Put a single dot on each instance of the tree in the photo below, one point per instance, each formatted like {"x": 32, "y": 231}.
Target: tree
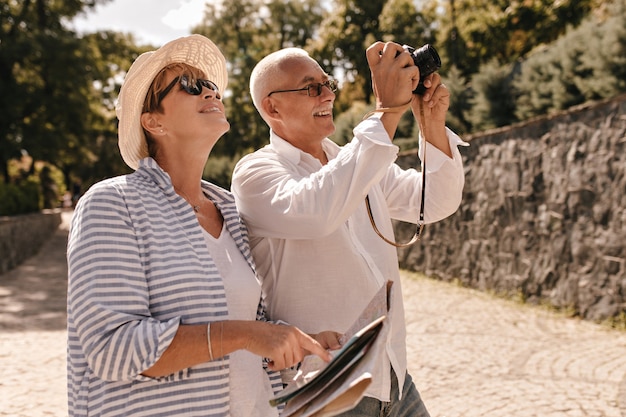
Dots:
{"x": 43, "y": 71}
{"x": 493, "y": 102}
{"x": 401, "y": 22}
{"x": 246, "y": 31}
{"x": 460, "y": 101}
{"x": 110, "y": 55}
{"x": 587, "y": 63}
{"x": 479, "y": 31}
{"x": 344, "y": 36}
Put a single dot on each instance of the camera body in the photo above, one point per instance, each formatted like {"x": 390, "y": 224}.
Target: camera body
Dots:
{"x": 427, "y": 60}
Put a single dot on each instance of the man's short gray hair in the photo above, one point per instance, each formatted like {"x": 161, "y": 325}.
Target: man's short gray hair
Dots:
{"x": 269, "y": 69}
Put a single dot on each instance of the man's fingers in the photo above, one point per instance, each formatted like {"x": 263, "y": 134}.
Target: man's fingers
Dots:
{"x": 391, "y": 50}
{"x": 373, "y": 53}
{"x": 387, "y": 51}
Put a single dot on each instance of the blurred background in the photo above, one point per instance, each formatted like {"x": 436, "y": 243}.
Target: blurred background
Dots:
{"x": 62, "y": 62}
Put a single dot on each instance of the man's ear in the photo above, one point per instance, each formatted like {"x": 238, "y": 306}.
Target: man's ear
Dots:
{"x": 151, "y": 124}
{"x": 269, "y": 107}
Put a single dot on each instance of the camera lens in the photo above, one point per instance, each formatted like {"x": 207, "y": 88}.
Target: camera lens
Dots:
{"x": 427, "y": 60}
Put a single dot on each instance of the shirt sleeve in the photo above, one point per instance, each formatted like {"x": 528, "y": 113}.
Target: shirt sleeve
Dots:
{"x": 445, "y": 180}
{"x": 108, "y": 300}
{"x": 279, "y": 197}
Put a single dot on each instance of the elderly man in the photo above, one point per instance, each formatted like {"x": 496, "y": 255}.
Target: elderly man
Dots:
{"x": 304, "y": 201}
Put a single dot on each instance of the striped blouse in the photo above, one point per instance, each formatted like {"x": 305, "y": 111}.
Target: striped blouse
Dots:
{"x": 138, "y": 268}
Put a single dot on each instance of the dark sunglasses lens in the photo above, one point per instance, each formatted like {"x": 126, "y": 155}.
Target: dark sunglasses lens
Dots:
{"x": 196, "y": 89}
{"x": 209, "y": 84}
{"x": 193, "y": 89}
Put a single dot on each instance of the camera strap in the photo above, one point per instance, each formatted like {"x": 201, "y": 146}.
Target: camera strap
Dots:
{"x": 420, "y": 224}
{"x": 397, "y": 109}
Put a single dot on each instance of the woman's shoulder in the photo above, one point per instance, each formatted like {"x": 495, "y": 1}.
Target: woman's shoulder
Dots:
{"x": 115, "y": 186}
{"x": 217, "y": 193}
{"x": 107, "y": 186}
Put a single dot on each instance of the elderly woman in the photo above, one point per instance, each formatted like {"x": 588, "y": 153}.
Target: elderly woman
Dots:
{"x": 165, "y": 310}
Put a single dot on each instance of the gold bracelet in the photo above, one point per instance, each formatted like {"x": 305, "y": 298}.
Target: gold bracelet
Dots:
{"x": 221, "y": 345}
{"x": 208, "y": 336}
{"x": 222, "y": 338}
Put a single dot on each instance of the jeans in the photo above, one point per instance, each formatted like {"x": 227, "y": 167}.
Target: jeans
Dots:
{"x": 411, "y": 404}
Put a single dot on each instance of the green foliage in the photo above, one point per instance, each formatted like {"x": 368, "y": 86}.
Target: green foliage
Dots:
{"x": 58, "y": 89}
{"x": 219, "y": 170}
{"x": 587, "y": 63}
{"x": 50, "y": 186}
{"x": 344, "y": 36}
{"x": 474, "y": 32}
{"x": 401, "y": 22}
{"x": 346, "y": 121}
{"x": 502, "y": 61}
{"x": 19, "y": 198}
{"x": 460, "y": 101}
{"x": 544, "y": 70}
{"x": 41, "y": 68}
{"x": 492, "y": 104}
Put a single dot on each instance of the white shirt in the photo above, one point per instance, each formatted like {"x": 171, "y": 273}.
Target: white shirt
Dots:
{"x": 250, "y": 389}
{"x": 311, "y": 237}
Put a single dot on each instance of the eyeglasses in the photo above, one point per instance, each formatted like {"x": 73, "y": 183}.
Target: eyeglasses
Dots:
{"x": 312, "y": 90}
{"x": 193, "y": 89}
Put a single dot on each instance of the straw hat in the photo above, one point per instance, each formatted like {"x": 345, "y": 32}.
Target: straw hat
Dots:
{"x": 195, "y": 50}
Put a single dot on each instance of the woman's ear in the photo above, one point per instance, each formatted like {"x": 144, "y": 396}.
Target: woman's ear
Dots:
{"x": 151, "y": 124}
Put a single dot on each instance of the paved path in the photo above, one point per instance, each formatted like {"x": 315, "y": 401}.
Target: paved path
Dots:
{"x": 471, "y": 355}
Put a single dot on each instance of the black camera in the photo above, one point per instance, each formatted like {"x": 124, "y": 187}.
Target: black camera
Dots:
{"x": 427, "y": 60}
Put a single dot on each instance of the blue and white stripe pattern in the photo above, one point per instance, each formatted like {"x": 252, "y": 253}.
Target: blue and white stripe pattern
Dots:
{"x": 138, "y": 268}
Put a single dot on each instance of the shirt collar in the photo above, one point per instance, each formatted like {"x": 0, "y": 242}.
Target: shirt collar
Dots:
{"x": 295, "y": 155}
{"x": 149, "y": 168}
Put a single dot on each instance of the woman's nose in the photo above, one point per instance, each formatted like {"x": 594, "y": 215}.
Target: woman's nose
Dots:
{"x": 210, "y": 93}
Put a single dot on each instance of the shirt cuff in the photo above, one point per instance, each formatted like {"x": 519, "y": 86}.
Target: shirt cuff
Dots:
{"x": 373, "y": 130}
{"x": 436, "y": 158}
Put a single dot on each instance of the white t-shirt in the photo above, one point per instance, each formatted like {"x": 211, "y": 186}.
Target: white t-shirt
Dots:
{"x": 250, "y": 388}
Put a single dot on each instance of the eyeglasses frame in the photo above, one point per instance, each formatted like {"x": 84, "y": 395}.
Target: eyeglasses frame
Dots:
{"x": 331, "y": 84}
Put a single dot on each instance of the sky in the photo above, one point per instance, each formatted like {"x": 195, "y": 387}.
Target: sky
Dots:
{"x": 152, "y": 22}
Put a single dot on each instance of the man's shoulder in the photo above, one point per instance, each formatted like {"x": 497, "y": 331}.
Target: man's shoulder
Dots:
{"x": 261, "y": 152}
{"x": 260, "y": 156}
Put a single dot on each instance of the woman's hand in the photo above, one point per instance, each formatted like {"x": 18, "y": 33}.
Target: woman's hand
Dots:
{"x": 284, "y": 346}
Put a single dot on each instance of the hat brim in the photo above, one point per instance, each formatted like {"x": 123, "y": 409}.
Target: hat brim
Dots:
{"x": 195, "y": 50}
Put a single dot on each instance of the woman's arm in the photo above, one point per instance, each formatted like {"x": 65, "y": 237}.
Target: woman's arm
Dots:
{"x": 283, "y": 345}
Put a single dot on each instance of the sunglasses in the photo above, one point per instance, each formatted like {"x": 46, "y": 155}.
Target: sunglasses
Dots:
{"x": 189, "y": 88}
{"x": 312, "y": 90}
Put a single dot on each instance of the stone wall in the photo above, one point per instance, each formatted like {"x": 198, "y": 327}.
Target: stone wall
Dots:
{"x": 543, "y": 215}
{"x": 22, "y": 236}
